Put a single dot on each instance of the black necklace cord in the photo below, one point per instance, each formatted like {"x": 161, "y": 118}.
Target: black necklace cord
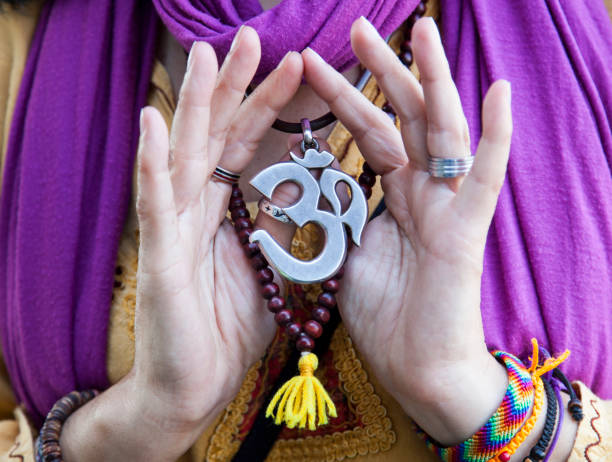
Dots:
{"x": 321, "y": 122}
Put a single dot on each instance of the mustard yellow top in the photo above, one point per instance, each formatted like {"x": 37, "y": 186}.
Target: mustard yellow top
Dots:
{"x": 377, "y": 429}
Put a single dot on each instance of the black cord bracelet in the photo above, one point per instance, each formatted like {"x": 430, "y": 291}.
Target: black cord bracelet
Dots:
{"x": 575, "y": 405}
{"x": 538, "y": 452}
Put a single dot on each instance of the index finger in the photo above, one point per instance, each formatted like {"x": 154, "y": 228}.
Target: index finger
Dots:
{"x": 375, "y": 134}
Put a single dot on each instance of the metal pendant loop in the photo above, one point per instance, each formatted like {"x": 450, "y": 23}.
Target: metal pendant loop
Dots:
{"x": 307, "y": 132}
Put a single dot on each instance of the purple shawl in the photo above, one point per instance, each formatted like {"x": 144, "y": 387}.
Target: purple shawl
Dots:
{"x": 292, "y": 25}
{"x": 548, "y": 261}
{"x": 69, "y": 163}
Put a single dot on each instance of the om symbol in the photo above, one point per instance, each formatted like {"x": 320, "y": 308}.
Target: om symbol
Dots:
{"x": 306, "y": 210}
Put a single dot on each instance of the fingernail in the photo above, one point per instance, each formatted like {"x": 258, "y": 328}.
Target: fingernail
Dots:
{"x": 369, "y": 25}
{"x": 236, "y": 39}
{"x": 430, "y": 21}
{"x": 191, "y": 53}
{"x": 141, "y": 119}
{"x": 314, "y": 53}
{"x": 283, "y": 60}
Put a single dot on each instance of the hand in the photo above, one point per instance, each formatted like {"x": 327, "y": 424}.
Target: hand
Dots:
{"x": 411, "y": 294}
{"x": 201, "y": 321}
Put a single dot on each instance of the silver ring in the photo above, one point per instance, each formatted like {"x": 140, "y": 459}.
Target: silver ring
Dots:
{"x": 226, "y": 176}
{"x": 440, "y": 167}
{"x": 273, "y": 211}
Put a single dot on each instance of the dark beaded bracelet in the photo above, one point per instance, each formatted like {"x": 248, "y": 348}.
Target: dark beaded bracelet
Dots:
{"x": 47, "y": 446}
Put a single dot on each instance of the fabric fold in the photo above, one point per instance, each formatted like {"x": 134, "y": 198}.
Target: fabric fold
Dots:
{"x": 548, "y": 260}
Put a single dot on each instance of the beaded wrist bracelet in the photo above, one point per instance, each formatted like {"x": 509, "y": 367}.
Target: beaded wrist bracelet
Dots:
{"x": 47, "y": 447}
{"x": 510, "y": 425}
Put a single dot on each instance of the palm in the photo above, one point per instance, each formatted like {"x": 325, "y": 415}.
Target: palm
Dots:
{"x": 406, "y": 253}
{"x": 411, "y": 299}
{"x": 200, "y": 318}
{"x": 213, "y": 325}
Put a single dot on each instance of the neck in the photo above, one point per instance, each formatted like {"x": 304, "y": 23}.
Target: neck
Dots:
{"x": 269, "y": 4}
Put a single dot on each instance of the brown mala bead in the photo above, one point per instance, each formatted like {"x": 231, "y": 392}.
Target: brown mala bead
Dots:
{"x": 265, "y": 275}
{"x": 270, "y": 290}
{"x": 236, "y": 193}
{"x": 283, "y": 317}
{"x": 321, "y": 314}
{"x": 259, "y": 262}
{"x": 244, "y": 235}
{"x": 294, "y": 330}
{"x": 406, "y": 58}
{"x": 367, "y": 190}
{"x": 237, "y": 203}
{"x": 327, "y": 300}
{"x": 242, "y": 223}
{"x": 250, "y": 249}
{"x": 420, "y": 9}
{"x": 367, "y": 169}
{"x": 240, "y": 213}
{"x": 305, "y": 343}
{"x": 276, "y": 304}
{"x": 331, "y": 286}
{"x": 313, "y": 328}
{"x": 366, "y": 178}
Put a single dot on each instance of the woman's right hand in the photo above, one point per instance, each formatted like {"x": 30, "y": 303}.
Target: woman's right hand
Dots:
{"x": 200, "y": 318}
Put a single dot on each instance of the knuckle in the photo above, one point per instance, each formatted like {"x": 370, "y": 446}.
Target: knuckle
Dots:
{"x": 447, "y": 140}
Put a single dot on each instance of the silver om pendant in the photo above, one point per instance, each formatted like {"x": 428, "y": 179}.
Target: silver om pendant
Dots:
{"x": 306, "y": 210}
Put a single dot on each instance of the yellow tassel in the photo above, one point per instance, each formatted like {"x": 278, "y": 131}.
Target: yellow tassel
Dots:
{"x": 302, "y": 399}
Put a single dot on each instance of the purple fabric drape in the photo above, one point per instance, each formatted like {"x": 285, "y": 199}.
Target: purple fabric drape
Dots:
{"x": 65, "y": 192}
{"x": 292, "y": 25}
{"x": 548, "y": 261}
{"x": 70, "y": 159}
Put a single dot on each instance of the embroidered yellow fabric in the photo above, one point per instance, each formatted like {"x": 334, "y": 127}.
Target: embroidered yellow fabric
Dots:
{"x": 224, "y": 444}
{"x": 376, "y": 436}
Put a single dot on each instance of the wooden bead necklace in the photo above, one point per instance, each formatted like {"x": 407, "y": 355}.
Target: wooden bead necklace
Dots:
{"x": 303, "y": 400}
{"x": 304, "y": 336}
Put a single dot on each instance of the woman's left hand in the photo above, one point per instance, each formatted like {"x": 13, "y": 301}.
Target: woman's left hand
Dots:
{"x": 411, "y": 293}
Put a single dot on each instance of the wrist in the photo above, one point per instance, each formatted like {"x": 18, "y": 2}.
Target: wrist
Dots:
{"x": 448, "y": 424}
{"x": 127, "y": 423}
{"x": 454, "y": 402}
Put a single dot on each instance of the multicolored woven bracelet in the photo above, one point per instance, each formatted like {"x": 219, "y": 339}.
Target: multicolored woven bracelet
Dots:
{"x": 501, "y": 428}
{"x": 508, "y": 428}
